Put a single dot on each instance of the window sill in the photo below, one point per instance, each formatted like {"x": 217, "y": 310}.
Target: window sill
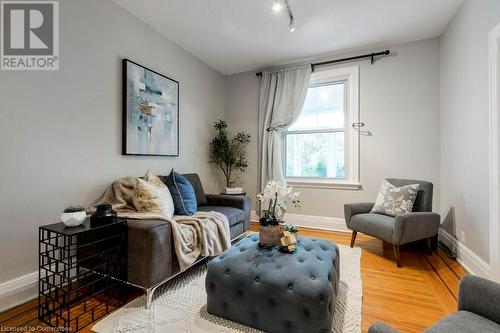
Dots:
{"x": 326, "y": 184}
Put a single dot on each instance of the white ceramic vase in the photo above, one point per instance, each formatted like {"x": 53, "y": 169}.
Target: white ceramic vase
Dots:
{"x": 73, "y": 219}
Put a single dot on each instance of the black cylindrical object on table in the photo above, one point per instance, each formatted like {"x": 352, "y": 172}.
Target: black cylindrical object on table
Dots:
{"x": 104, "y": 214}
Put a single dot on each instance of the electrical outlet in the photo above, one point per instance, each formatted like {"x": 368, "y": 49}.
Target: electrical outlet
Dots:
{"x": 462, "y": 237}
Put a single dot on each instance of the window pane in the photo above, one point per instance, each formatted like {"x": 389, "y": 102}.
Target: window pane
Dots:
{"x": 323, "y": 108}
{"x": 319, "y": 155}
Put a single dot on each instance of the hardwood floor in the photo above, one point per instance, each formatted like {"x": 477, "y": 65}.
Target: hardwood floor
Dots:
{"x": 409, "y": 298}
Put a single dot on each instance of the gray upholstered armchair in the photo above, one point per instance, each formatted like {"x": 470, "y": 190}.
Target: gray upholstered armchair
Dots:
{"x": 420, "y": 224}
{"x": 478, "y": 310}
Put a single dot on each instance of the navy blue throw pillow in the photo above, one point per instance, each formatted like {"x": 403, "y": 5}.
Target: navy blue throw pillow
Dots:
{"x": 182, "y": 194}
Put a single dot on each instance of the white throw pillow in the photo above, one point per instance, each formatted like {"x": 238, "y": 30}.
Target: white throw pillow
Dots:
{"x": 393, "y": 201}
{"x": 152, "y": 195}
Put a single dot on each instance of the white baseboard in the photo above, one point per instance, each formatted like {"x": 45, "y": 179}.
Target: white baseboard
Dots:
{"x": 312, "y": 221}
{"x": 468, "y": 259}
{"x": 18, "y": 291}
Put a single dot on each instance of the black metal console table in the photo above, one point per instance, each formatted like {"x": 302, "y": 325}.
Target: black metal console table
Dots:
{"x": 81, "y": 270}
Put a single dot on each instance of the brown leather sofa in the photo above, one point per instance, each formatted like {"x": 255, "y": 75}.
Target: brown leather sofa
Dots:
{"x": 151, "y": 256}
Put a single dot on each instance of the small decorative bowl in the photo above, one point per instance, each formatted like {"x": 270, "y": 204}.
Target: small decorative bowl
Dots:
{"x": 73, "y": 219}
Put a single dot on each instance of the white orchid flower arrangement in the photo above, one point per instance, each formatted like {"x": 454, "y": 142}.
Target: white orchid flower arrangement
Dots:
{"x": 279, "y": 197}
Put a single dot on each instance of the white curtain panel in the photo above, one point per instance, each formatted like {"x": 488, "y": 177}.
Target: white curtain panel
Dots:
{"x": 282, "y": 95}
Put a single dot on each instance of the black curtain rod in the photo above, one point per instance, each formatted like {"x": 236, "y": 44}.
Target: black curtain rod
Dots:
{"x": 369, "y": 55}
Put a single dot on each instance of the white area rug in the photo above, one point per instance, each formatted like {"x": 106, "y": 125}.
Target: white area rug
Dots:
{"x": 180, "y": 305}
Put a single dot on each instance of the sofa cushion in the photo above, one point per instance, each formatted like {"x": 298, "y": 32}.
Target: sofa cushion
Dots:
{"x": 194, "y": 179}
{"x": 152, "y": 195}
{"x": 377, "y": 225}
{"x": 464, "y": 321}
{"x": 234, "y": 215}
{"x": 182, "y": 193}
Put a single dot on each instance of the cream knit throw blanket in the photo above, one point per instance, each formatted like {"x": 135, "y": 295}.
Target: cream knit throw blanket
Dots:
{"x": 204, "y": 233}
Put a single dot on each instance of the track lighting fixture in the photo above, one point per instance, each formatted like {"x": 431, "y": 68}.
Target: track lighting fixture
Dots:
{"x": 291, "y": 25}
{"x": 278, "y": 7}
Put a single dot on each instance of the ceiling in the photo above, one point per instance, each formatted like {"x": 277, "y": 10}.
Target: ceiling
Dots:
{"x": 235, "y": 36}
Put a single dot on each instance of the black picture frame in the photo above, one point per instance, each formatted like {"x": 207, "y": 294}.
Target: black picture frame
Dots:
{"x": 125, "y": 110}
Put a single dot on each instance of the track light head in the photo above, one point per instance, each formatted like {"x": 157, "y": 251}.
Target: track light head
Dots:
{"x": 278, "y": 6}
{"x": 292, "y": 24}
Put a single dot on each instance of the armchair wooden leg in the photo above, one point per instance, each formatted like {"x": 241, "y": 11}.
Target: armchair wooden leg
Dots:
{"x": 353, "y": 237}
{"x": 397, "y": 255}
{"x": 429, "y": 246}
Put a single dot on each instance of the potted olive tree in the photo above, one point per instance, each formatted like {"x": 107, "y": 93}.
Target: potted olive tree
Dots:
{"x": 228, "y": 153}
{"x": 277, "y": 196}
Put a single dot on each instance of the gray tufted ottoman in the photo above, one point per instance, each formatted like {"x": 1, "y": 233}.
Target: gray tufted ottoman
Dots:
{"x": 275, "y": 291}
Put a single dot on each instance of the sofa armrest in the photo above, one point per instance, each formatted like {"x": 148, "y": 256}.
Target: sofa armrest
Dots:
{"x": 150, "y": 252}
{"x": 410, "y": 227}
{"x": 242, "y": 202}
{"x": 479, "y": 296}
{"x": 378, "y": 327}
{"x": 352, "y": 209}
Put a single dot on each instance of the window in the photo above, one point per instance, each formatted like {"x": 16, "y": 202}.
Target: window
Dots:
{"x": 321, "y": 147}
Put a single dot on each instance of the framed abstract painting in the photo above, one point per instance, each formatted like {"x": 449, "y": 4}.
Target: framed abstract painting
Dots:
{"x": 150, "y": 112}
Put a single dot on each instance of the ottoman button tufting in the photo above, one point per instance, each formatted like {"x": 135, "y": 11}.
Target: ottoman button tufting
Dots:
{"x": 300, "y": 276}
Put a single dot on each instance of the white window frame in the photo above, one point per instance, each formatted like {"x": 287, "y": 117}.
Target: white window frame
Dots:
{"x": 350, "y": 77}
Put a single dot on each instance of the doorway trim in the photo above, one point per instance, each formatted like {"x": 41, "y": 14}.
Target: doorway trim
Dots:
{"x": 494, "y": 116}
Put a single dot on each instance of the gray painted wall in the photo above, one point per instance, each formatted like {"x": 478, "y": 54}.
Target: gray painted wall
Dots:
{"x": 465, "y": 125}
{"x": 61, "y": 130}
{"x": 399, "y": 102}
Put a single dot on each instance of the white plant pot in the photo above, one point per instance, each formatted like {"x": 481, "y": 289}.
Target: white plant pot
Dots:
{"x": 233, "y": 190}
{"x": 73, "y": 219}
